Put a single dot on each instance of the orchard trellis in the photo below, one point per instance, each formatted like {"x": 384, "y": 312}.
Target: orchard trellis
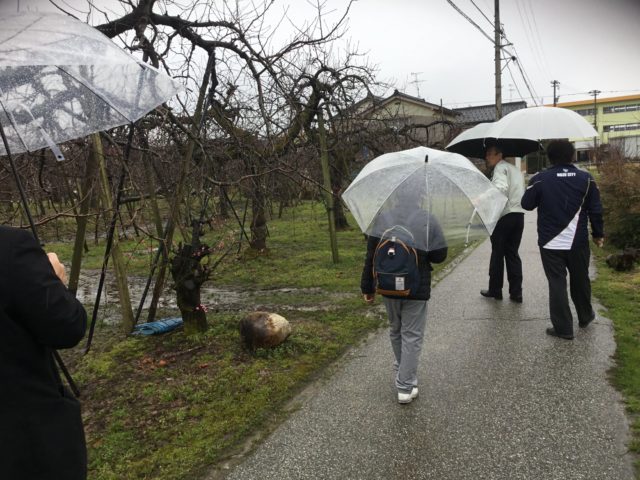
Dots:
{"x": 243, "y": 135}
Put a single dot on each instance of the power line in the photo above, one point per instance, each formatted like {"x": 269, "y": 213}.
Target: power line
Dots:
{"x": 470, "y": 20}
{"x": 537, "y": 34}
{"x": 525, "y": 77}
{"x": 526, "y": 81}
{"x": 482, "y": 13}
{"x": 527, "y": 28}
{"x": 514, "y": 82}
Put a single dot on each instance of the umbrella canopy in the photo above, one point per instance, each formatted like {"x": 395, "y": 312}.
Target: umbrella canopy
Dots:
{"x": 474, "y": 141}
{"x": 440, "y": 198}
{"x": 519, "y": 132}
{"x": 543, "y": 123}
{"x": 62, "y": 79}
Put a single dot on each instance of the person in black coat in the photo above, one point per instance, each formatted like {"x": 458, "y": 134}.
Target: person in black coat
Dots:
{"x": 567, "y": 198}
{"x": 41, "y": 432}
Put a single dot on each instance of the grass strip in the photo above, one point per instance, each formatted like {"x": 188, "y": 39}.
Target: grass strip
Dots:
{"x": 619, "y": 293}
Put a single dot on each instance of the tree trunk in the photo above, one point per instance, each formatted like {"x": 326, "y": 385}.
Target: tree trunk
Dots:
{"x": 222, "y": 203}
{"x": 338, "y": 176}
{"x": 259, "y": 221}
{"x": 189, "y": 275}
{"x": 329, "y": 198}
{"x": 174, "y": 209}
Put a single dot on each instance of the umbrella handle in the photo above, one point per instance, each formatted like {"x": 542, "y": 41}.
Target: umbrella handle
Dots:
{"x": 466, "y": 242}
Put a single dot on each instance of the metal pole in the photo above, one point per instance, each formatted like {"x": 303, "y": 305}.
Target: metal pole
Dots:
{"x": 595, "y": 114}
{"x": 556, "y": 84}
{"x": 497, "y": 51}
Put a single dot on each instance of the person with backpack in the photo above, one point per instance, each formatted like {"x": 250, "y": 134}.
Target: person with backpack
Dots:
{"x": 402, "y": 275}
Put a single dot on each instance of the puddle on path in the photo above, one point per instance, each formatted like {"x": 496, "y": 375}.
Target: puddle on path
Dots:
{"x": 216, "y": 299}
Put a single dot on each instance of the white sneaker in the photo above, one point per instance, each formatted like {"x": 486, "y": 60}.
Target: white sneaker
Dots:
{"x": 407, "y": 397}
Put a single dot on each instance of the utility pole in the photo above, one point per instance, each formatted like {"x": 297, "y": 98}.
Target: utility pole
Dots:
{"x": 556, "y": 84}
{"x": 595, "y": 115}
{"x": 498, "y": 70}
{"x": 595, "y": 107}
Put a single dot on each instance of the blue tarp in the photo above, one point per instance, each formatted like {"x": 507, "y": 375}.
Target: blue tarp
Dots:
{"x": 158, "y": 327}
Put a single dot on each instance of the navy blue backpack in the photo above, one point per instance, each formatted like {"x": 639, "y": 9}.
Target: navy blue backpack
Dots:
{"x": 395, "y": 264}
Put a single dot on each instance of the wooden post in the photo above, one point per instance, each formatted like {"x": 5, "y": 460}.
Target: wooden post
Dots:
{"x": 86, "y": 194}
{"x": 328, "y": 193}
{"x": 116, "y": 253}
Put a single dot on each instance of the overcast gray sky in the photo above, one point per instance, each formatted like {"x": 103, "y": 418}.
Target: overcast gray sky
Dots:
{"x": 584, "y": 44}
{"x": 426, "y": 47}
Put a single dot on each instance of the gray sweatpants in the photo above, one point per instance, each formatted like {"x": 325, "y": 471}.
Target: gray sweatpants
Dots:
{"x": 407, "y": 322}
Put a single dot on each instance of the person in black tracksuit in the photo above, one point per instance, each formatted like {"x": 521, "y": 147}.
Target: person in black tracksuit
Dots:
{"x": 566, "y": 198}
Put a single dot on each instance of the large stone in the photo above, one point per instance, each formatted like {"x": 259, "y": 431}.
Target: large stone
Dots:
{"x": 623, "y": 261}
{"x": 264, "y": 330}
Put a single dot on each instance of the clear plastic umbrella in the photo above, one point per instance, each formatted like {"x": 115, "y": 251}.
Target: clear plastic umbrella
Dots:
{"x": 439, "y": 197}
{"x": 62, "y": 79}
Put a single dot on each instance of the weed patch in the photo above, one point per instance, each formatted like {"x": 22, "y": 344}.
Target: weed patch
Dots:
{"x": 619, "y": 292}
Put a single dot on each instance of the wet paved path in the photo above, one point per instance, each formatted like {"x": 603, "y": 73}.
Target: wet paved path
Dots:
{"x": 499, "y": 399}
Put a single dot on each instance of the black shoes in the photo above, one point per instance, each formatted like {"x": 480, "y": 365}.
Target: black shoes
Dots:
{"x": 516, "y": 298}
{"x": 498, "y": 296}
{"x": 551, "y": 331}
{"x": 488, "y": 294}
{"x": 586, "y": 324}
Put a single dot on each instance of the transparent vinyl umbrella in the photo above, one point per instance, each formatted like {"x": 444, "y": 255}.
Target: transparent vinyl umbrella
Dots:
{"x": 62, "y": 79}
{"x": 439, "y": 197}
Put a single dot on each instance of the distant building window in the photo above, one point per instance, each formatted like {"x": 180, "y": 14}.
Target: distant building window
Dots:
{"x": 622, "y": 127}
{"x": 585, "y": 111}
{"x": 622, "y": 108}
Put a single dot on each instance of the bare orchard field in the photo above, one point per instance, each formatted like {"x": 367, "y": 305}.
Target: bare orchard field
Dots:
{"x": 177, "y": 407}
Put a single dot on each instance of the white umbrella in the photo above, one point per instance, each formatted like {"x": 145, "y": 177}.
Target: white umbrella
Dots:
{"x": 519, "y": 132}
{"x": 543, "y": 123}
{"x": 437, "y": 196}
